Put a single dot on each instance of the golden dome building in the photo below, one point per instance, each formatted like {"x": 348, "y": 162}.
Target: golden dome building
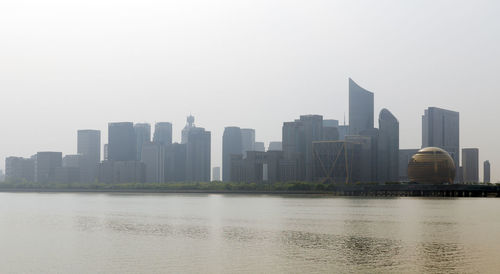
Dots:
{"x": 431, "y": 165}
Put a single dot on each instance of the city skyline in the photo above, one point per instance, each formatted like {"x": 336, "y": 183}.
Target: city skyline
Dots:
{"x": 252, "y": 72}
{"x": 377, "y": 165}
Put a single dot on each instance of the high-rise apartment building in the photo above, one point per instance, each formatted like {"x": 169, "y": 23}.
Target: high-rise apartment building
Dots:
{"x": 360, "y": 109}
{"x": 121, "y": 142}
{"x": 470, "y": 165}
{"x": 441, "y": 128}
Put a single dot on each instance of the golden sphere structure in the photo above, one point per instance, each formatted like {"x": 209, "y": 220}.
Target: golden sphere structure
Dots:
{"x": 431, "y": 165}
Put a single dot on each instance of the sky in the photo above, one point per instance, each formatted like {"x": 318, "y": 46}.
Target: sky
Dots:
{"x": 69, "y": 65}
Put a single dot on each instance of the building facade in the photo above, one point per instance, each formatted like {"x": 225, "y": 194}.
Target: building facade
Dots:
{"x": 175, "y": 162}
{"x": 405, "y": 156}
{"x": 487, "y": 172}
{"x": 46, "y": 163}
{"x": 470, "y": 165}
{"x": 89, "y": 148}
{"x": 441, "y": 128}
{"x": 360, "y": 109}
{"x": 216, "y": 174}
{"x": 232, "y": 144}
{"x": 277, "y": 146}
{"x": 142, "y": 136}
{"x": 19, "y": 169}
{"x": 198, "y": 157}
{"x": 153, "y": 157}
{"x": 120, "y": 172}
{"x": 121, "y": 142}
{"x": 337, "y": 162}
{"x": 388, "y": 148}
{"x": 247, "y": 140}
{"x": 163, "y": 133}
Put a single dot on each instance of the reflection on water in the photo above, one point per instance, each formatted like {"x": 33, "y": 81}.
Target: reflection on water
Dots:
{"x": 230, "y": 233}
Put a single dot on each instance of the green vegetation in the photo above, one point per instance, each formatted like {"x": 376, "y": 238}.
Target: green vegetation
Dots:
{"x": 160, "y": 187}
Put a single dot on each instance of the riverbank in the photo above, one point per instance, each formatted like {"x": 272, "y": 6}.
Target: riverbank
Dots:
{"x": 369, "y": 190}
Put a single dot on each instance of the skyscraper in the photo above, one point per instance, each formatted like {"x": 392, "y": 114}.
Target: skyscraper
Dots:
{"x": 388, "y": 147}
{"x": 142, "y": 136}
{"x": 185, "y": 131}
{"x": 231, "y": 145}
{"x": 313, "y": 131}
{"x": 298, "y": 138}
{"x": 441, "y": 128}
{"x": 121, "y": 142}
{"x": 247, "y": 140}
{"x": 487, "y": 171}
{"x": 360, "y": 109}
{"x": 46, "y": 164}
{"x": 470, "y": 165}
{"x": 153, "y": 157}
{"x": 198, "y": 155}
{"x": 175, "y": 162}
{"x": 89, "y": 147}
{"x": 163, "y": 133}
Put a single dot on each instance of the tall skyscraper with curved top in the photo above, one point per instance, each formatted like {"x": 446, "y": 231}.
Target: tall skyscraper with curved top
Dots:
{"x": 360, "y": 109}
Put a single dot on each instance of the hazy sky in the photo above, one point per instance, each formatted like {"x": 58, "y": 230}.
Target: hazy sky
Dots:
{"x": 68, "y": 65}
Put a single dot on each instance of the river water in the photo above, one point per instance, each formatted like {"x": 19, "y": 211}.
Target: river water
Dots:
{"x": 173, "y": 233}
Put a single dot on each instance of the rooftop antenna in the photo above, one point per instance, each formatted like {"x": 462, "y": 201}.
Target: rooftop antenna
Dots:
{"x": 344, "y": 118}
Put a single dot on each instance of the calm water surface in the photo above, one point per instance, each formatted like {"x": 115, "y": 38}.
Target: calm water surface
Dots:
{"x": 113, "y": 233}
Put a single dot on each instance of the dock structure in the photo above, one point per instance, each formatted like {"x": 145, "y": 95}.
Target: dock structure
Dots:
{"x": 417, "y": 190}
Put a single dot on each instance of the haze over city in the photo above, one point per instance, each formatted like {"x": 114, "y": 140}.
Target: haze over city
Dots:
{"x": 248, "y": 63}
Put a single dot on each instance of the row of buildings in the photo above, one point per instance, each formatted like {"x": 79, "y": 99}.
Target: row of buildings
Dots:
{"x": 312, "y": 149}
{"x": 317, "y": 149}
{"x": 130, "y": 156}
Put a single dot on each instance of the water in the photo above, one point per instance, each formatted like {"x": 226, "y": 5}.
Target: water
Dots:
{"x": 113, "y": 233}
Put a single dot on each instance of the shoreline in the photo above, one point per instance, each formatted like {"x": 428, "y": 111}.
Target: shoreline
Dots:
{"x": 164, "y": 191}
{"x": 336, "y": 191}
